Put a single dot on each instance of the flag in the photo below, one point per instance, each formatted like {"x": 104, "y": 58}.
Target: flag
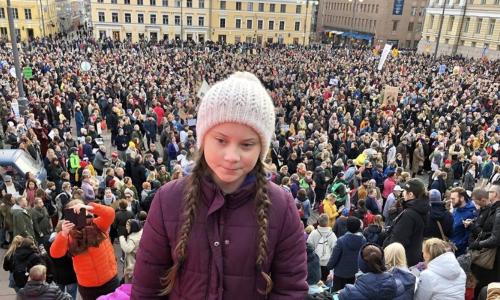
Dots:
{"x": 385, "y": 52}
{"x": 395, "y": 52}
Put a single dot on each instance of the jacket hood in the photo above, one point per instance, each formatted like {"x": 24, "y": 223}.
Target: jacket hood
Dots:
{"x": 23, "y": 253}
{"x": 354, "y": 241}
{"x": 324, "y": 230}
{"x": 446, "y": 266}
{"x": 376, "y": 286}
{"x": 35, "y": 288}
{"x": 373, "y": 228}
{"x": 419, "y": 205}
{"x": 469, "y": 206}
{"x": 438, "y": 211}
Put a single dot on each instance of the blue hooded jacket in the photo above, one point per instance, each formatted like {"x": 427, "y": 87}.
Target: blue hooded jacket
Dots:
{"x": 371, "y": 286}
{"x": 460, "y": 236}
{"x": 344, "y": 258}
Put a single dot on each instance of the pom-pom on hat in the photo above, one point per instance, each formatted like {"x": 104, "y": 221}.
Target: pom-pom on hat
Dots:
{"x": 239, "y": 99}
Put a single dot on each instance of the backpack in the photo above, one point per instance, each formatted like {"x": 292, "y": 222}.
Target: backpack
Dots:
{"x": 321, "y": 208}
{"x": 322, "y": 249}
{"x": 146, "y": 203}
{"x": 61, "y": 200}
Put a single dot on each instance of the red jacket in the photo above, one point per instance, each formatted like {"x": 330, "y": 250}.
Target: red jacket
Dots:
{"x": 220, "y": 263}
{"x": 389, "y": 185}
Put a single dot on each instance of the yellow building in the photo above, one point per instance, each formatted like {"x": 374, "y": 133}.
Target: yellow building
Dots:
{"x": 28, "y": 18}
{"x": 470, "y": 28}
{"x": 199, "y": 20}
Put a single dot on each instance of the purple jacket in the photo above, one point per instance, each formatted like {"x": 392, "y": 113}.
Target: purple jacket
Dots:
{"x": 222, "y": 246}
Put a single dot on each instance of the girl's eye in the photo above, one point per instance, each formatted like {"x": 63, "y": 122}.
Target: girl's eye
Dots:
{"x": 248, "y": 145}
{"x": 220, "y": 141}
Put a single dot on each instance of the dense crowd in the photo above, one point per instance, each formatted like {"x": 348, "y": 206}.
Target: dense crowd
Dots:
{"x": 353, "y": 163}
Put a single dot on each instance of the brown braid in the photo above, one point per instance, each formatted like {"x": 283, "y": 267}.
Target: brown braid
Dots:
{"x": 262, "y": 207}
{"x": 191, "y": 196}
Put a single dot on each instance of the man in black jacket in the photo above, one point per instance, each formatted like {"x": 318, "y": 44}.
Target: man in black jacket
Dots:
{"x": 408, "y": 228}
{"x": 38, "y": 288}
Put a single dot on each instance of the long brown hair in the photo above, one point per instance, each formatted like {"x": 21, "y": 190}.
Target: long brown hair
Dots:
{"x": 191, "y": 199}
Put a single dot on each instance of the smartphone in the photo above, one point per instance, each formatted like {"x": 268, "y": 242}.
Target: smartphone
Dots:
{"x": 79, "y": 219}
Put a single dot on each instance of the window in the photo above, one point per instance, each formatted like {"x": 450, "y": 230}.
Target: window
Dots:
{"x": 127, "y": 2}
{"x": 478, "y": 26}
{"x": 260, "y": 24}
{"x": 418, "y": 28}
{"x": 282, "y": 25}
{"x": 15, "y": 13}
{"x": 165, "y": 19}
{"x": 497, "y": 2}
{"x": 100, "y": 1}
{"x": 250, "y": 6}
{"x": 140, "y": 18}
{"x": 395, "y": 25}
{"x": 177, "y": 20}
{"x": 492, "y": 27}
{"x": 128, "y": 35}
{"x": 164, "y": 3}
{"x": 114, "y": 17}
{"x": 101, "y": 16}
{"x": 128, "y": 18}
{"x": 249, "y": 24}
{"x": 466, "y": 25}
{"x": 431, "y": 21}
{"x": 473, "y": 44}
{"x": 261, "y": 7}
{"x": 447, "y": 41}
{"x": 297, "y": 26}
{"x": 238, "y": 23}
{"x": 272, "y": 7}
{"x": 201, "y": 21}
{"x": 451, "y": 20}
{"x": 201, "y": 3}
{"x": 283, "y": 8}
{"x": 152, "y": 19}
{"x": 483, "y": 1}
{"x": 410, "y": 27}
{"x": 413, "y": 12}
{"x": 238, "y": 5}
{"x": 271, "y": 25}
{"x": 223, "y": 5}
{"x": 222, "y": 23}
{"x": 189, "y": 3}
{"x": 140, "y": 2}
{"x": 189, "y": 21}
{"x": 152, "y": 2}
{"x": 237, "y": 39}
{"x": 2, "y": 13}
{"x": 462, "y": 42}
{"x": 178, "y": 3}
{"x": 298, "y": 9}
{"x": 27, "y": 14}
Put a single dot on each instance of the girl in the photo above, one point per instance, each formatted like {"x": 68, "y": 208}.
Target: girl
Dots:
{"x": 91, "y": 250}
{"x": 224, "y": 232}
{"x": 8, "y": 260}
{"x": 129, "y": 246}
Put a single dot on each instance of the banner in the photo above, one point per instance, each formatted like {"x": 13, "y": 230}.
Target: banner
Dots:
{"x": 203, "y": 89}
{"x": 385, "y": 52}
{"x": 397, "y": 9}
{"x": 390, "y": 96}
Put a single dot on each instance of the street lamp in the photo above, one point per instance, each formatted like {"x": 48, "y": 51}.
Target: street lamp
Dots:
{"x": 352, "y": 20}
{"x": 306, "y": 2}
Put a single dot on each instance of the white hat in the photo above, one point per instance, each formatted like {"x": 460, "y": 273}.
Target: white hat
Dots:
{"x": 397, "y": 188}
{"x": 240, "y": 99}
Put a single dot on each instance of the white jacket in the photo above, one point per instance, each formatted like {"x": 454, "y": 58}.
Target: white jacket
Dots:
{"x": 443, "y": 279}
{"x": 325, "y": 250}
{"x": 130, "y": 247}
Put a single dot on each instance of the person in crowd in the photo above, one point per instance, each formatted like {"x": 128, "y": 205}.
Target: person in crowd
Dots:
{"x": 375, "y": 282}
{"x": 391, "y": 202}
{"x": 464, "y": 211}
{"x": 8, "y": 260}
{"x": 343, "y": 260}
{"x": 323, "y": 241}
{"x": 395, "y": 262}
{"x": 30, "y": 192}
{"x": 7, "y": 220}
{"x": 100, "y": 160}
{"x": 129, "y": 246}
{"x": 440, "y": 221}
{"x": 235, "y": 123}
{"x": 408, "y": 227}
{"x": 443, "y": 278}
{"x": 330, "y": 209}
{"x": 90, "y": 248}
{"x": 488, "y": 238}
{"x": 21, "y": 219}
{"x": 305, "y": 204}
{"x": 9, "y": 187}
{"x": 38, "y": 288}
{"x": 41, "y": 221}
{"x": 122, "y": 215}
{"x": 25, "y": 256}
{"x": 340, "y": 226}
{"x": 374, "y": 232}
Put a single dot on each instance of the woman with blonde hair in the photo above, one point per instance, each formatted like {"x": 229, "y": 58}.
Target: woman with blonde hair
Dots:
{"x": 395, "y": 262}
{"x": 8, "y": 259}
{"x": 443, "y": 278}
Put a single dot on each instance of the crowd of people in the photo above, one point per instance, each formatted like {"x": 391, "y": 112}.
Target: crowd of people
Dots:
{"x": 405, "y": 192}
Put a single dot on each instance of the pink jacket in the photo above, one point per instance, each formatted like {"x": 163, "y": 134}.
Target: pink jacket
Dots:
{"x": 121, "y": 293}
{"x": 389, "y": 185}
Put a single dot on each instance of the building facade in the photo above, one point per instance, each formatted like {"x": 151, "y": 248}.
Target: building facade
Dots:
{"x": 470, "y": 28}
{"x": 32, "y": 18}
{"x": 279, "y": 21}
{"x": 371, "y": 22}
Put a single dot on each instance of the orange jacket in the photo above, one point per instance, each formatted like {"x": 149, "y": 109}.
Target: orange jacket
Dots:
{"x": 97, "y": 265}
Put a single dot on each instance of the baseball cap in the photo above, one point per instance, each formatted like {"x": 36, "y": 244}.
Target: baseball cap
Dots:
{"x": 416, "y": 186}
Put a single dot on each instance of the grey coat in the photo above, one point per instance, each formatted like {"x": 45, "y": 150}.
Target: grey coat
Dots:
{"x": 41, "y": 290}
{"x": 22, "y": 222}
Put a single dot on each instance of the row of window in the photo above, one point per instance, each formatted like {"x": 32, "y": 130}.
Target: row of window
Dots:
{"x": 260, "y": 24}
{"x": 466, "y": 24}
{"x": 222, "y": 5}
{"x": 345, "y": 6}
{"x": 15, "y": 13}
{"x": 348, "y": 21}
{"x": 152, "y": 19}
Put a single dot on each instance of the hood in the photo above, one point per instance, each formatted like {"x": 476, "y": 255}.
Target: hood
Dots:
{"x": 35, "y": 289}
{"x": 438, "y": 211}
{"x": 377, "y": 286}
{"x": 324, "y": 230}
{"x": 23, "y": 253}
{"x": 16, "y": 207}
{"x": 469, "y": 207}
{"x": 354, "y": 241}
{"x": 373, "y": 228}
{"x": 446, "y": 266}
{"x": 419, "y": 205}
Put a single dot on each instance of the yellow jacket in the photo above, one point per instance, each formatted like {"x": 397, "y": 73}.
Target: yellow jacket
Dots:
{"x": 331, "y": 210}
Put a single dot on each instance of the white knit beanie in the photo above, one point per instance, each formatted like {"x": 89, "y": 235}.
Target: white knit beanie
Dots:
{"x": 239, "y": 99}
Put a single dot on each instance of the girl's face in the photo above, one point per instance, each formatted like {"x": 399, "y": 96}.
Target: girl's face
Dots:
{"x": 231, "y": 151}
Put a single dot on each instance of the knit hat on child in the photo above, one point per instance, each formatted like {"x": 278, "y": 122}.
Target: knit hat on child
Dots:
{"x": 239, "y": 99}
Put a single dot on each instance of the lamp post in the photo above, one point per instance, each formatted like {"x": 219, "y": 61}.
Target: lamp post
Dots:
{"x": 43, "y": 18}
{"x": 306, "y": 2}
{"x": 182, "y": 27}
{"x": 352, "y": 20}
{"x": 440, "y": 28}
